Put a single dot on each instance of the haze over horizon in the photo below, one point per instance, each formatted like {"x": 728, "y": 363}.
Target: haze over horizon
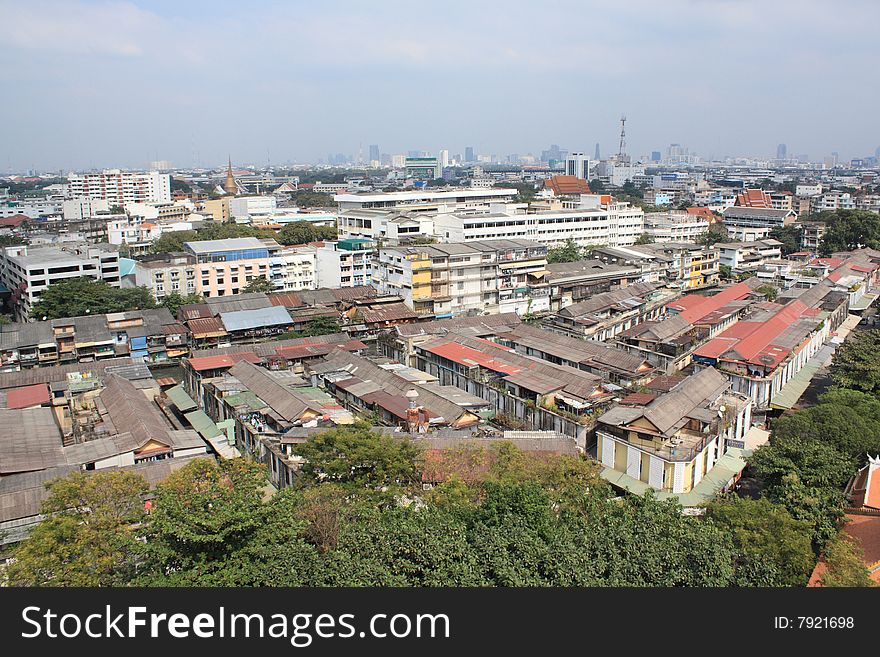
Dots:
{"x": 103, "y": 84}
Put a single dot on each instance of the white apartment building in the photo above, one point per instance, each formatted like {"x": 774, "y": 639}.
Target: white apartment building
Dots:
{"x": 833, "y": 200}
{"x": 35, "y": 207}
{"x": 598, "y": 220}
{"x": 427, "y": 200}
{"x": 675, "y": 226}
{"x": 484, "y": 277}
{"x": 293, "y": 267}
{"x": 389, "y": 226}
{"x": 78, "y": 209}
{"x": 808, "y": 190}
{"x": 120, "y": 187}
{"x": 345, "y": 263}
{"x": 167, "y": 273}
{"x": 28, "y": 271}
{"x": 255, "y": 208}
{"x": 748, "y": 256}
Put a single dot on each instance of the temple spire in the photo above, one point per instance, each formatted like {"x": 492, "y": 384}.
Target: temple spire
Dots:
{"x": 230, "y": 186}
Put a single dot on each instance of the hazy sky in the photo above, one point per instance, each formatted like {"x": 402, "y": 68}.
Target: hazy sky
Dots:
{"x": 93, "y": 84}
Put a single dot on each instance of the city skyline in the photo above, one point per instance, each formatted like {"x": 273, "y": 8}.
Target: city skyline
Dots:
{"x": 121, "y": 84}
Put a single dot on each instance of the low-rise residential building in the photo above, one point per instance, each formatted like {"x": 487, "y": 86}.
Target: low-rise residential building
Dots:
{"x": 748, "y": 256}
{"x": 150, "y": 335}
{"x": 167, "y": 273}
{"x": 675, "y": 226}
{"x": 525, "y": 392}
{"x": 573, "y": 282}
{"x": 488, "y": 276}
{"x": 762, "y": 353}
{"x": 605, "y": 315}
{"x": 757, "y": 217}
{"x": 671, "y": 442}
{"x": 345, "y": 263}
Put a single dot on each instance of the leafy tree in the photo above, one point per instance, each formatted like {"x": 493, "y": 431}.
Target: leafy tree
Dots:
{"x": 322, "y": 326}
{"x": 259, "y": 284}
{"x": 762, "y": 533}
{"x": 174, "y": 301}
{"x": 790, "y": 236}
{"x": 725, "y": 272}
{"x": 769, "y": 291}
{"x": 357, "y": 457}
{"x": 171, "y": 242}
{"x": 849, "y": 229}
{"x": 847, "y": 420}
{"x": 714, "y": 235}
{"x": 210, "y": 526}
{"x": 856, "y": 362}
{"x": 571, "y": 252}
{"x": 645, "y": 238}
{"x": 302, "y": 232}
{"x": 178, "y": 185}
{"x": 73, "y": 297}
{"x": 845, "y": 564}
{"x": 306, "y": 198}
{"x": 87, "y": 537}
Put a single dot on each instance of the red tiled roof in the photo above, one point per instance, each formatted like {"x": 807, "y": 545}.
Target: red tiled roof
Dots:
{"x": 567, "y": 185}
{"x": 753, "y": 341}
{"x": 754, "y": 198}
{"x": 467, "y": 356}
{"x": 286, "y": 299}
{"x": 638, "y": 399}
{"x": 206, "y": 327}
{"x": 28, "y": 396}
{"x": 715, "y": 302}
{"x": 218, "y": 362}
{"x": 318, "y": 349}
{"x": 15, "y": 220}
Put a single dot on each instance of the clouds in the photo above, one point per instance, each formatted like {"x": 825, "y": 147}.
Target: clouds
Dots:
{"x": 117, "y": 83}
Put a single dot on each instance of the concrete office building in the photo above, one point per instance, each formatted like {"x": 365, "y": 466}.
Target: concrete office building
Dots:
{"x": 224, "y": 267}
{"x": 28, "y": 271}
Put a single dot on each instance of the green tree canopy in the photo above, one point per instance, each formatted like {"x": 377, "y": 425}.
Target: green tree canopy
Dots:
{"x": 571, "y": 252}
{"x": 356, "y": 456}
{"x": 259, "y": 284}
{"x": 73, "y": 297}
{"x": 849, "y": 229}
{"x": 86, "y": 538}
{"x": 765, "y": 533}
{"x": 790, "y": 236}
{"x": 845, "y": 564}
{"x": 174, "y": 301}
{"x": 302, "y": 232}
{"x": 856, "y": 362}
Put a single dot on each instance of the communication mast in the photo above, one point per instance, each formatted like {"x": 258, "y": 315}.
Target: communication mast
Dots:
{"x": 621, "y": 154}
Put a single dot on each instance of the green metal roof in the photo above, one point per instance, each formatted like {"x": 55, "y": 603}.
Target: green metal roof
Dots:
{"x": 180, "y": 399}
{"x": 246, "y": 398}
{"x": 203, "y": 424}
{"x": 726, "y": 468}
{"x": 863, "y": 302}
{"x": 789, "y": 394}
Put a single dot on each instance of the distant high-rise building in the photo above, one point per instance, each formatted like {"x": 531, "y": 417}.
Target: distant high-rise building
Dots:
{"x": 597, "y": 155}
{"x": 656, "y": 156}
{"x": 781, "y": 152}
{"x": 469, "y": 154}
{"x": 877, "y": 152}
{"x": 836, "y": 156}
{"x": 578, "y": 164}
{"x": 553, "y": 153}
{"x": 374, "y": 152}
{"x": 444, "y": 158}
